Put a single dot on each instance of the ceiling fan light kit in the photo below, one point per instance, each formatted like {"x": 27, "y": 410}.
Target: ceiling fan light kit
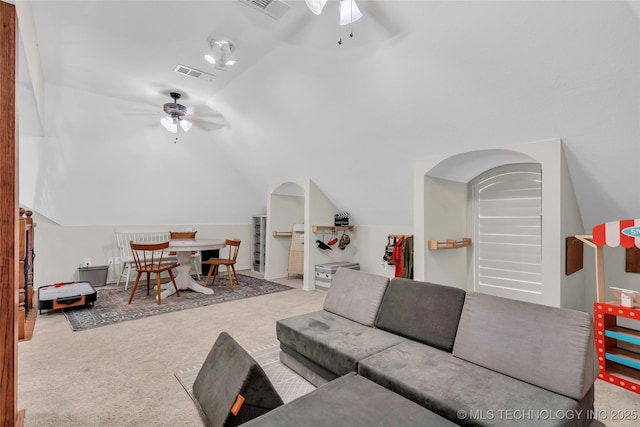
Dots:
{"x": 349, "y": 12}
{"x": 316, "y": 6}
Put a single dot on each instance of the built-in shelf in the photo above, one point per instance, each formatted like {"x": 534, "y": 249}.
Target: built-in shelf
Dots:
{"x": 449, "y": 244}
{"x": 332, "y": 228}
{"x": 259, "y": 242}
{"x": 282, "y": 233}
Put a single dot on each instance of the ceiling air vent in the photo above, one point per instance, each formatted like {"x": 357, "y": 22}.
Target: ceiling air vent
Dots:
{"x": 192, "y": 72}
{"x": 273, "y": 8}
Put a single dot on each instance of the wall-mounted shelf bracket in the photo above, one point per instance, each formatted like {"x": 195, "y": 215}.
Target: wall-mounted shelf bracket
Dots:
{"x": 449, "y": 244}
{"x": 332, "y": 228}
{"x": 397, "y": 236}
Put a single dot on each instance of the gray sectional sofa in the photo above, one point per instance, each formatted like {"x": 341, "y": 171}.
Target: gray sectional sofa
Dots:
{"x": 468, "y": 357}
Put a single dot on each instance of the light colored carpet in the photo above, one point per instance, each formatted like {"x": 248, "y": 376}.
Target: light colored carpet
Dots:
{"x": 287, "y": 383}
{"x": 123, "y": 374}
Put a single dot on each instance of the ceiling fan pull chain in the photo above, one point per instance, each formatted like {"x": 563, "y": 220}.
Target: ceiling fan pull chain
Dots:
{"x": 351, "y": 23}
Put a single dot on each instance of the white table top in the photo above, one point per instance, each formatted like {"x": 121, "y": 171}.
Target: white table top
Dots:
{"x": 195, "y": 244}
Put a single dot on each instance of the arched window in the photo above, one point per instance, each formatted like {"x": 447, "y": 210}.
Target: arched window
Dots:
{"x": 507, "y": 229}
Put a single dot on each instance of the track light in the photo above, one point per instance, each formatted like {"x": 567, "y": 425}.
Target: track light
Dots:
{"x": 228, "y": 58}
{"x": 221, "y": 53}
{"x": 210, "y": 56}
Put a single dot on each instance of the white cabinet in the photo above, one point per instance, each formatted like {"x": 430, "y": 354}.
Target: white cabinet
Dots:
{"x": 258, "y": 242}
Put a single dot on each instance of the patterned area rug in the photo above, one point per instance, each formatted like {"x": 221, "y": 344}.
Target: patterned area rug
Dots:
{"x": 112, "y": 305}
{"x": 287, "y": 383}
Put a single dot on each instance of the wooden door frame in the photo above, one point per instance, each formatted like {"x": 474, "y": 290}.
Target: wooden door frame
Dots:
{"x": 8, "y": 218}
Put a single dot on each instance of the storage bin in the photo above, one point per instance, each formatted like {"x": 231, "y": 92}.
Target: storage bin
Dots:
{"x": 325, "y": 272}
{"x": 95, "y": 274}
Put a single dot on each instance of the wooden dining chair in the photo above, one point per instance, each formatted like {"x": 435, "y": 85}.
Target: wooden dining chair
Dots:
{"x": 229, "y": 262}
{"x": 150, "y": 258}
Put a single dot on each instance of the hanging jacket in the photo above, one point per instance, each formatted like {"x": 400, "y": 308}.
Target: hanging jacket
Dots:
{"x": 407, "y": 261}
{"x": 398, "y": 256}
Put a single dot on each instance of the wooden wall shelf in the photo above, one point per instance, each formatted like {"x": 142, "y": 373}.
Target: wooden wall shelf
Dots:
{"x": 449, "y": 244}
{"x": 397, "y": 236}
{"x": 332, "y": 228}
{"x": 282, "y": 233}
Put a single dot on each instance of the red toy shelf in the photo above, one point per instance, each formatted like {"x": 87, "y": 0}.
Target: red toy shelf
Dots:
{"x": 618, "y": 347}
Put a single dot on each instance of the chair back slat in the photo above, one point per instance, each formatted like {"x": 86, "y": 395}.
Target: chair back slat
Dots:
{"x": 148, "y": 256}
{"x": 124, "y": 236}
{"x": 234, "y": 247}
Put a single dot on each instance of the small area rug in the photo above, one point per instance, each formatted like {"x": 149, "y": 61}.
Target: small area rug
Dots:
{"x": 287, "y": 383}
{"x": 112, "y": 305}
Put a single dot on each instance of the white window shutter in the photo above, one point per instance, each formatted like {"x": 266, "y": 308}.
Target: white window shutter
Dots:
{"x": 508, "y": 230}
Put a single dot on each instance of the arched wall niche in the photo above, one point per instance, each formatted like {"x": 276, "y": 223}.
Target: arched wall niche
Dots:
{"x": 442, "y": 212}
{"x": 464, "y": 167}
{"x": 285, "y": 207}
{"x": 296, "y": 202}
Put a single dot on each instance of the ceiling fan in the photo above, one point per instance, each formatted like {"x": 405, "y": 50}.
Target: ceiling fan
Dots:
{"x": 311, "y": 21}
{"x": 176, "y": 115}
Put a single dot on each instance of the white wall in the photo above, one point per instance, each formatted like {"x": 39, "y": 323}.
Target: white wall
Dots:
{"x": 60, "y": 250}
{"x": 445, "y": 218}
{"x": 370, "y": 242}
{"x": 574, "y": 293}
{"x": 320, "y": 211}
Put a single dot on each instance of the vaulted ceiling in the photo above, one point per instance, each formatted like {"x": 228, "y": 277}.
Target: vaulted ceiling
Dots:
{"x": 418, "y": 78}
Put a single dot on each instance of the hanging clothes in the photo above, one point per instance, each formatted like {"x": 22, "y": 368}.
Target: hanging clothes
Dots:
{"x": 407, "y": 258}
{"x": 398, "y": 256}
{"x": 388, "y": 250}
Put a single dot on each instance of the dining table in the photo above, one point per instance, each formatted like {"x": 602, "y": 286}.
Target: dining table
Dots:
{"x": 184, "y": 249}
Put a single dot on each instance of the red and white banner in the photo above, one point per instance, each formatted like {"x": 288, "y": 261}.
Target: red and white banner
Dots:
{"x": 625, "y": 233}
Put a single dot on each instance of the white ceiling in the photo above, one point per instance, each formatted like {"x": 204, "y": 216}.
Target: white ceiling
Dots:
{"x": 419, "y": 78}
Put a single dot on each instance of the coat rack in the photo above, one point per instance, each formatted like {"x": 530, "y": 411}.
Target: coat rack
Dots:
{"x": 397, "y": 236}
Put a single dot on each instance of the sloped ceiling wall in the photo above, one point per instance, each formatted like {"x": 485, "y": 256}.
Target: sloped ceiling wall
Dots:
{"x": 419, "y": 78}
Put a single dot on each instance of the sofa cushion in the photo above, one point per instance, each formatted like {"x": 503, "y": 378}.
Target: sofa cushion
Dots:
{"x": 547, "y": 346}
{"x": 350, "y": 401}
{"x": 227, "y": 373}
{"x": 356, "y": 295}
{"x": 422, "y": 311}
{"x": 461, "y": 391}
{"x": 333, "y": 342}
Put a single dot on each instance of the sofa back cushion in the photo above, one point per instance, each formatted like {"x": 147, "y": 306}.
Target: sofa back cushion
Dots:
{"x": 355, "y": 295}
{"x": 550, "y": 347}
{"x": 421, "y": 311}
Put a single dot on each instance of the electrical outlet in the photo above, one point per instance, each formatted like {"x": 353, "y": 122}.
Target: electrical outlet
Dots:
{"x": 118, "y": 260}
{"x": 87, "y": 262}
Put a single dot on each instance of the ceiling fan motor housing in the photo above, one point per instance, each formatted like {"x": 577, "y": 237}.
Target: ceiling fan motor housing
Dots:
{"x": 173, "y": 108}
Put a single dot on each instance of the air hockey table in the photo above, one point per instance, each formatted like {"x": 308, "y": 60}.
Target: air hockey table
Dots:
{"x": 66, "y": 295}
